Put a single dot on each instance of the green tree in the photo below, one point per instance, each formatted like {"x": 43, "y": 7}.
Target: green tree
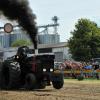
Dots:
{"x": 85, "y": 41}
{"x": 21, "y": 42}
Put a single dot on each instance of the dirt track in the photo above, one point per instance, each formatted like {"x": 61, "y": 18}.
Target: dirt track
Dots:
{"x": 72, "y": 90}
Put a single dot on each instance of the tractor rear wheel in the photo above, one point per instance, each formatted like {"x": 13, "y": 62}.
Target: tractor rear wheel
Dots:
{"x": 10, "y": 76}
{"x": 4, "y": 77}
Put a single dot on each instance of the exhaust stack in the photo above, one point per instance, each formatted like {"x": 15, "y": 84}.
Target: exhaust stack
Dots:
{"x": 36, "y": 51}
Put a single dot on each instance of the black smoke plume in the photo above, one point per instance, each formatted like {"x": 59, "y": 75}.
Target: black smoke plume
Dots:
{"x": 20, "y": 11}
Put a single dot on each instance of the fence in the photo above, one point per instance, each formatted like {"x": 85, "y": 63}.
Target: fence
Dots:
{"x": 86, "y": 73}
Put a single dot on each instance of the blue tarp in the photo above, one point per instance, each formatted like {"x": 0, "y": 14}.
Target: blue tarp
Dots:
{"x": 88, "y": 67}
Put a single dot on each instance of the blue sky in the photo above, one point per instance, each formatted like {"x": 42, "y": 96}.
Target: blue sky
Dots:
{"x": 68, "y": 11}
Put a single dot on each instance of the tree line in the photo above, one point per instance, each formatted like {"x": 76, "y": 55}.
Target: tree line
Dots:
{"x": 85, "y": 41}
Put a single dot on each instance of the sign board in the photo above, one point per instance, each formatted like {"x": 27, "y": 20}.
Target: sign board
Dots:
{"x": 8, "y": 28}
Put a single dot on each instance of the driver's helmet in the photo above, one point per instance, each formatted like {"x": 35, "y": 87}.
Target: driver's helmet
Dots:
{"x": 22, "y": 51}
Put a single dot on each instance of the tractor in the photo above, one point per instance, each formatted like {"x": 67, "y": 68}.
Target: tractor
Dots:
{"x": 30, "y": 71}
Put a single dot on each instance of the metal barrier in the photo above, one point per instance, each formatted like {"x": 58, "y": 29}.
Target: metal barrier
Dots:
{"x": 86, "y": 73}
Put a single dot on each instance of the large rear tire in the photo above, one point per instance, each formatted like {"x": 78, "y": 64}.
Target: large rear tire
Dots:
{"x": 2, "y": 83}
{"x": 9, "y": 76}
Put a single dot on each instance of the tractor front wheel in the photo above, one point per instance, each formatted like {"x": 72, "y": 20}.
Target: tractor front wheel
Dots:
{"x": 57, "y": 84}
{"x": 30, "y": 81}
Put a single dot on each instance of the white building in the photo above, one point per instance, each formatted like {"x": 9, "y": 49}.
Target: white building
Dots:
{"x": 60, "y": 50}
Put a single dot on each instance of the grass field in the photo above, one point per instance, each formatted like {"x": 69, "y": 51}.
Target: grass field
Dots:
{"x": 72, "y": 90}
{"x": 85, "y": 81}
